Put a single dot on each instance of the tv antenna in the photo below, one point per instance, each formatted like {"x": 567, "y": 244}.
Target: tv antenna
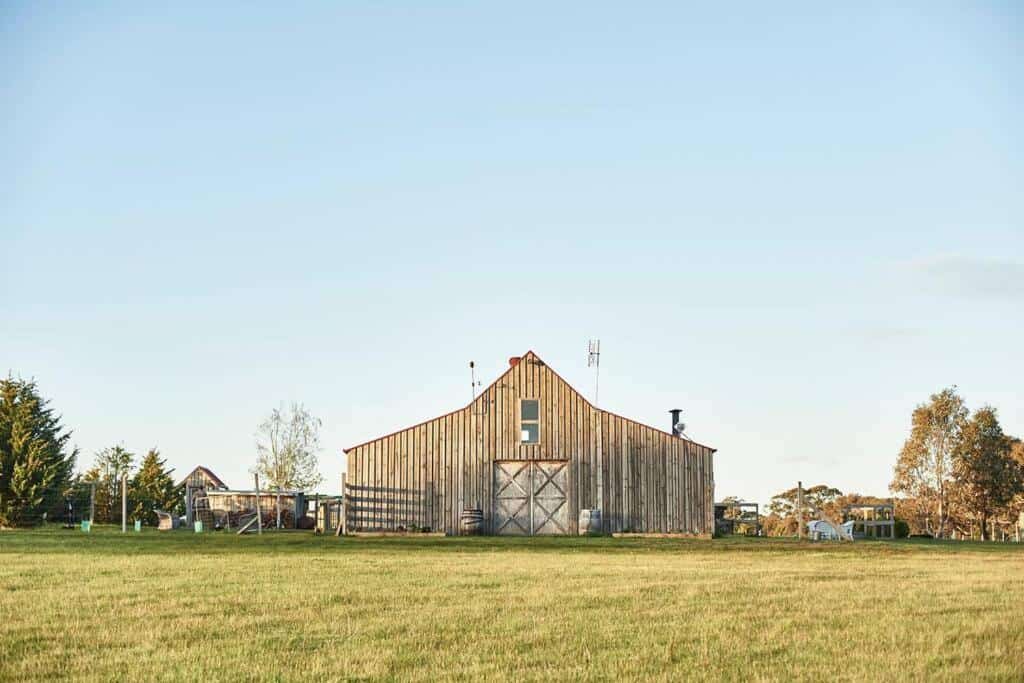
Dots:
{"x": 473, "y": 383}
{"x": 594, "y": 361}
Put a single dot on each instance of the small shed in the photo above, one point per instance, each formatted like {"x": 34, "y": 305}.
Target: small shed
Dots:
{"x": 197, "y": 484}
{"x": 820, "y": 530}
{"x": 228, "y": 507}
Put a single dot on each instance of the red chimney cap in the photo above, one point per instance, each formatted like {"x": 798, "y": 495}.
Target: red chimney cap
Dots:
{"x": 513, "y": 361}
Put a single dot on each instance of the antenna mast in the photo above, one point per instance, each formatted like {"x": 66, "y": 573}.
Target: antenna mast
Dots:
{"x": 594, "y": 361}
{"x": 472, "y": 381}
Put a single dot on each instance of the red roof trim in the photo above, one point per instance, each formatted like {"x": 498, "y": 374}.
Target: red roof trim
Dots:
{"x": 470, "y": 405}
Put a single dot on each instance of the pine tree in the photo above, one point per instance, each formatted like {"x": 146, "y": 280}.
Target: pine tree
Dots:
{"x": 152, "y": 489}
{"x": 35, "y": 460}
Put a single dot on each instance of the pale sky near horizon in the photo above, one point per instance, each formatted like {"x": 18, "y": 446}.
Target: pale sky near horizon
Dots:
{"x": 794, "y": 221}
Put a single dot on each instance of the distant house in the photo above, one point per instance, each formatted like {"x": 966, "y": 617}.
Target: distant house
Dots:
{"x": 875, "y": 519}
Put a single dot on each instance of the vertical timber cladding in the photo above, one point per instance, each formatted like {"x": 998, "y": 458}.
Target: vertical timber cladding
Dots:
{"x": 642, "y": 479}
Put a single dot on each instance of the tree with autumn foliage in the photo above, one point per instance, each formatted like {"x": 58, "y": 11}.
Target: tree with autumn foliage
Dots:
{"x": 783, "y": 509}
{"x": 1015, "y": 508}
{"x": 924, "y": 469}
{"x": 986, "y": 476}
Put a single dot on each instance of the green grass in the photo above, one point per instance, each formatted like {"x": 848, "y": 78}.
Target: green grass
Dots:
{"x": 286, "y": 606}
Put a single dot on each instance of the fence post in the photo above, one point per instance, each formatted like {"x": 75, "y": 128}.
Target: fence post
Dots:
{"x": 344, "y": 506}
{"x": 124, "y": 503}
{"x": 259, "y": 514}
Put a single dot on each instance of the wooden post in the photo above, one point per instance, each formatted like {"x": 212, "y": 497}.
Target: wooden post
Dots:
{"x": 124, "y": 503}
{"x": 343, "y": 517}
{"x": 800, "y": 509}
{"x": 92, "y": 502}
{"x": 259, "y": 515}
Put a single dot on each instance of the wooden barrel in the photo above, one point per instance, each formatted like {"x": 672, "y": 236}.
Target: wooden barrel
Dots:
{"x": 590, "y": 521}
{"x": 472, "y": 521}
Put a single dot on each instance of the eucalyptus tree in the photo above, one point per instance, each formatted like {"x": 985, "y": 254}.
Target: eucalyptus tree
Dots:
{"x": 924, "y": 469}
{"x": 987, "y": 477}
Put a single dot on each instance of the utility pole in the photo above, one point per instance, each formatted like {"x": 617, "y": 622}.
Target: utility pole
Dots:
{"x": 800, "y": 509}
{"x": 124, "y": 503}
{"x": 259, "y": 515}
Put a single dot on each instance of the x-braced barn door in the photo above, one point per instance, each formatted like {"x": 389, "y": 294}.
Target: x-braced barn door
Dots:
{"x": 531, "y": 497}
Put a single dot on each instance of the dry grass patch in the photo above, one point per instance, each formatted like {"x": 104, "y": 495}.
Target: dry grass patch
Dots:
{"x": 289, "y": 606}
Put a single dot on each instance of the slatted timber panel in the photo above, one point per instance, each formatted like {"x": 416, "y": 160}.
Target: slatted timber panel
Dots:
{"x": 642, "y": 479}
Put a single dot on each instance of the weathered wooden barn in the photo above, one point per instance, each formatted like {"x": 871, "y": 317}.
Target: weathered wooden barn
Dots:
{"x": 531, "y": 452}
{"x": 202, "y": 478}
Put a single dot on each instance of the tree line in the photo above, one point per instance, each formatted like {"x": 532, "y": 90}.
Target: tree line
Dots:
{"x": 784, "y": 513}
{"x": 149, "y": 486}
{"x": 37, "y": 464}
{"x": 958, "y": 475}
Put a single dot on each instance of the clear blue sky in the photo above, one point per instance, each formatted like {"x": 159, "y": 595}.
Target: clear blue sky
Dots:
{"x": 795, "y": 221}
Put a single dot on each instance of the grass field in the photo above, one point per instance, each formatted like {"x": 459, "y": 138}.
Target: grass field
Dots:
{"x": 287, "y": 606}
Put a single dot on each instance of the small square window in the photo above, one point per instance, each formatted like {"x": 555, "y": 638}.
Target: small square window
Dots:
{"x": 531, "y": 432}
{"x": 530, "y": 409}
{"x": 529, "y": 421}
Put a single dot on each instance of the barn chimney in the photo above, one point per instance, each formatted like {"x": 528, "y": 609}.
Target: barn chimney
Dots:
{"x": 675, "y": 419}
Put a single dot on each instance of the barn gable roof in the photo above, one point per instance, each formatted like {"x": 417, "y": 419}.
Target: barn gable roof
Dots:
{"x": 206, "y": 472}
{"x": 528, "y": 354}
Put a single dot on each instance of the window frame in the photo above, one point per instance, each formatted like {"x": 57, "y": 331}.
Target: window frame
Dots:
{"x": 520, "y": 421}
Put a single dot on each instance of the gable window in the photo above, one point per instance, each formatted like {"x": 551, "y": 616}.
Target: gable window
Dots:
{"x": 529, "y": 420}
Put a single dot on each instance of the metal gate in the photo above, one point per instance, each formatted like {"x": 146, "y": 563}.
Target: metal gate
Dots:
{"x": 531, "y": 497}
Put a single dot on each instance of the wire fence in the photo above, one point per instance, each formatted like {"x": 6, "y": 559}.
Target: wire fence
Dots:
{"x": 99, "y": 502}
{"x": 118, "y": 503}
